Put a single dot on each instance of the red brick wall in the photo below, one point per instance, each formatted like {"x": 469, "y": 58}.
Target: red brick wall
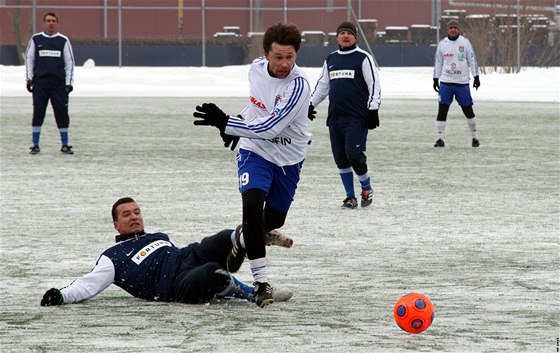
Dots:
{"x": 163, "y": 23}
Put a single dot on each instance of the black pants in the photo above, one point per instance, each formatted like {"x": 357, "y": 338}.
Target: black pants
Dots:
{"x": 348, "y": 144}
{"x": 45, "y": 89}
{"x": 196, "y": 281}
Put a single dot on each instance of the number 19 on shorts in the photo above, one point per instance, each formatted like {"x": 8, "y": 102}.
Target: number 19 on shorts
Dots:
{"x": 243, "y": 179}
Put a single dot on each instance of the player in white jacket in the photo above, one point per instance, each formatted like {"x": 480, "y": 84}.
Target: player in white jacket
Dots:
{"x": 273, "y": 135}
{"x": 454, "y": 59}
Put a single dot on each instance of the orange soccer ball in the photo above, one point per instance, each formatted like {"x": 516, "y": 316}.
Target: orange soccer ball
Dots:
{"x": 414, "y": 312}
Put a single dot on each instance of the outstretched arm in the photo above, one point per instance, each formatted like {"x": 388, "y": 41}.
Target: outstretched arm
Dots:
{"x": 210, "y": 115}
{"x": 83, "y": 288}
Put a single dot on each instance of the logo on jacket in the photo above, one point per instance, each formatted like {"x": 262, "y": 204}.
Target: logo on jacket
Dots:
{"x": 341, "y": 74}
{"x": 148, "y": 250}
{"x": 51, "y": 53}
{"x": 462, "y": 54}
{"x": 256, "y": 102}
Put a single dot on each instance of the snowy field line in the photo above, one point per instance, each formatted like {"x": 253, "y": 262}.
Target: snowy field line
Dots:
{"x": 476, "y": 230}
{"x": 530, "y": 85}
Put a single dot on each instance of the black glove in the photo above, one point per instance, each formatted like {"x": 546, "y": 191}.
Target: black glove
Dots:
{"x": 436, "y": 84}
{"x": 29, "y": 86}
{"x": 229, "y": 140}
{"x": 211, "y": 115}
{"x": 372, "y": 119}
{"x": 52, "y": 297}
{"x": 68, "y": 88}
{"x": 476, "y": 83}
{"x": 311, "y": 112}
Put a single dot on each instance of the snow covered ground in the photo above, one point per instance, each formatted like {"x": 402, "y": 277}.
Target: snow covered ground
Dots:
{"x": 531, "y": 84}
{"x": 476, "y": 230}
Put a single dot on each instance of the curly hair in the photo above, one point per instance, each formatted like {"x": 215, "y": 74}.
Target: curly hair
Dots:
{"x": 283, "y": 34}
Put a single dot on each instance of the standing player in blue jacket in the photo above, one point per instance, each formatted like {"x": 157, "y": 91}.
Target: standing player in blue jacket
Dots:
{"x": 151, "y": 267}
{"x": 273, "y": 139}
{"x": 349, "y": 77}
{"x": 49, "y": 67}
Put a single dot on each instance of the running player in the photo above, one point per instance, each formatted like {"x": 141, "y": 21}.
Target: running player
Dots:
{"x": 273, "y": 140}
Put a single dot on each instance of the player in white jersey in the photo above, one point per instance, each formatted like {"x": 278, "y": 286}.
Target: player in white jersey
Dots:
{"x": 273, "y": 139}
{"x": 454, "y": 60}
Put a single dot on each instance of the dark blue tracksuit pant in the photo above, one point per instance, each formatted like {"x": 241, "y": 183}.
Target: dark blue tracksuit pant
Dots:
{"x": 51, "y": 88}
{"x": 194, "y": 282}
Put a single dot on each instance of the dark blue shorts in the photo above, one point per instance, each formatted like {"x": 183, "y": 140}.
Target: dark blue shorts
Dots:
{"x": 279, "y": 183}
{"x": 462, "y": 94}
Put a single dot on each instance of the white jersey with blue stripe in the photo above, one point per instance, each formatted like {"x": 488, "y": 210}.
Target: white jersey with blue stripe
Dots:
{"x": 274, "y": 124}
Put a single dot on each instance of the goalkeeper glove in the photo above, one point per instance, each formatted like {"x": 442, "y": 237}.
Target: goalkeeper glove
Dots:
{"x": 311, "y": 112}
{"x": 436, "y": 84}
{"x": 52, "y": 297}
{"x": 29, "y": 86}
{"x": 229, "y": 140}
{"x": 211, "y": 115}
{"x": 476, "y": 82}
{"x": 373, "y": 119}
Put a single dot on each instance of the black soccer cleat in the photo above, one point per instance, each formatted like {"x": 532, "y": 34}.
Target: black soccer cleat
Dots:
{"x": 367, "y": 198}
{"x": 439, "y": 143}
{"x": 350, "y": 203}
{"x": 475, "y": 142}
{"x": 34, "y": 149}
{"x": 237, "y": 255}
{"x": 66, "y": 149}
{"x": 263, "y": 294}
{"x": 220, "y": 281}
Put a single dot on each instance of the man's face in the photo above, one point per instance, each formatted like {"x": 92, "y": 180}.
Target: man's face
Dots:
{"x": 281, "y": 60}
{"x": 345, "y": 39}
{"x": 453, "y": 31}
{"x": 51, "y": 24}
{"x": 129, "y": 218}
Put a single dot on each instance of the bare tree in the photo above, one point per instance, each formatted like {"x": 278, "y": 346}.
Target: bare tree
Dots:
{"x": 549, "y": 57}
{"x": 20, "y": 40}
{"x": 508, "y": 47}
{"x": 479, "y": 32}
{"x": 16, "y": 20}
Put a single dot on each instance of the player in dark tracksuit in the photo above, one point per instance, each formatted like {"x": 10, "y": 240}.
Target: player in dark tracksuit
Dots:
{"x": 151, "y": 267}
{"x": 49, "y": 68}
{"x": 349, "y": 78}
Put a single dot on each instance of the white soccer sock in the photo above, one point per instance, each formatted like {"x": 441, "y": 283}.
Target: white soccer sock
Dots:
{"x": 258, "y": 269}
{"x": 440, "y": 125}
{"x": 472, "y": 126}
